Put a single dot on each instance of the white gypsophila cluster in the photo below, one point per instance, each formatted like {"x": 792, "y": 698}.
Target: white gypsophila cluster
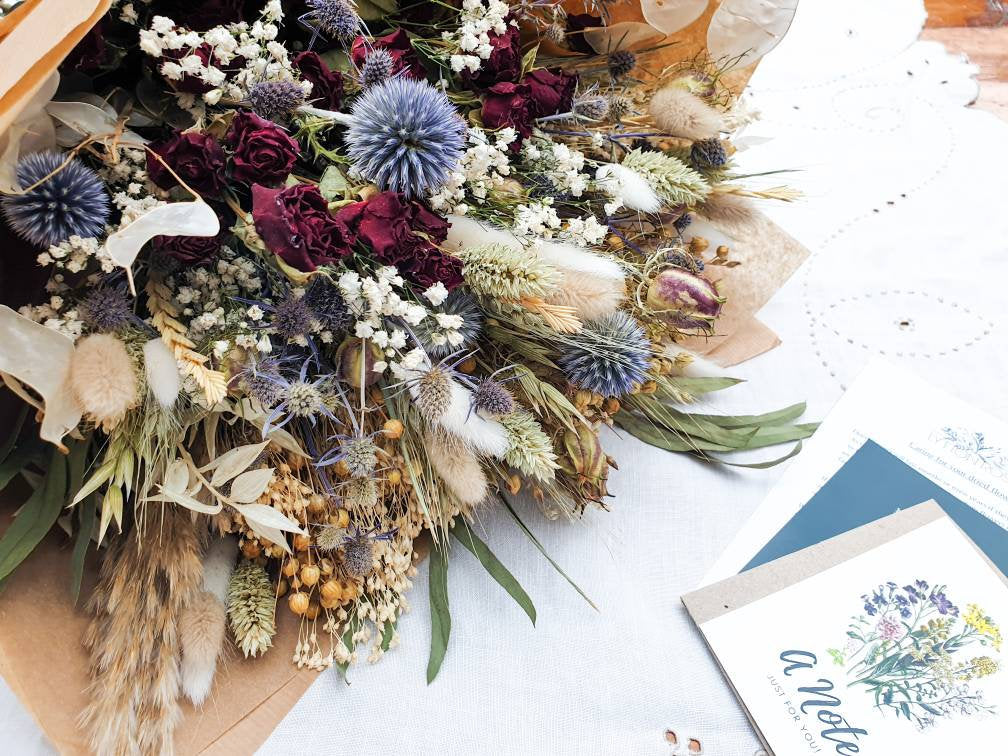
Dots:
{"x": 265, "y": 59}
{"x": 557, "y": 163}
{"x": 128, "y": 174}
{"x": 57, "y": 313}
{"x": 74, "y": 255}
{"x": 205, "y": 296}
{"x": 536, "y": 219}
{"x": 373, "y": 299}
{"x": 472, "y": 38}
{"x": 586, "y": 231}
{"x": 482, "y": 168}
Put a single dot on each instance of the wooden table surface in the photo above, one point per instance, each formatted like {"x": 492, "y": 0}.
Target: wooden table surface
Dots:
{"x": 978, "y": 28}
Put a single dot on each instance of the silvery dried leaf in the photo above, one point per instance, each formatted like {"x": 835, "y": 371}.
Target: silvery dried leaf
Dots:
{"x": 672, "y": 15}
{"x": 176, "y": 477}
{"x": 748, "y": 29}
{"x": 619, "y": 36}
{"x": 83, "y": 119}
{"x": 187, "y": 501}
{"x": 270, "y": 534}
{"x": 250, "y": 485}
{"x": 174, "y": 219}
{"x": 267, "y": 516}
{"x": 232, "y": 462}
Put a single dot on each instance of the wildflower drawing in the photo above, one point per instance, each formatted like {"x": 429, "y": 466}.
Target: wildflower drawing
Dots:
{"x": 974, "y": 447}
{"x": 916, "y": 653}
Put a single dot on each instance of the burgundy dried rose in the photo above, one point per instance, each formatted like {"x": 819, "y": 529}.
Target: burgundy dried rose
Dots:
{"x": 189, "y": 250}
{"x": 196, "y": 158}
{"x": 398, "y": 44}
{"x": 404, "y": 234}
{"x": 509, "y": 104}
{"x": 684, "y": 298}
{"x": 551, "y": 90}
{"x": 576, "y": 24}
{"x": 263, "y": 152}
{"x": 202, "y": 15}
{"x": 296, "y": 225}
{"x": 504, "y": 63}
{"x": 90, "y": 54}
{"x": 327, "y": 85}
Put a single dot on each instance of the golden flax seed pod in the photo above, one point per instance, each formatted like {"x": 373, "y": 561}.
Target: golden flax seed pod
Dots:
{"x": 298, "y": 602}
{"x": 393, "y": 428}
{"x": 331, "y": 590}
{"x": 291, "y": 567}
{"x": 301, "y": 542}
{"x": 310, "y": 575}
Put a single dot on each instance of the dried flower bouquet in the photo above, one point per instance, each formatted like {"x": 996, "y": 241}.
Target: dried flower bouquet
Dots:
{"x": 326, "y": 279}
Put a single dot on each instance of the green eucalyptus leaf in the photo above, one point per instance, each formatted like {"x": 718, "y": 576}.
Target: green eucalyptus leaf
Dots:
{"x": 332, "y": 184}
{"x": 464, "y": 535}
{"x": 36, "y": 516}
{"x": 703, "y": 385}
{"x": 26, "y": 452}
{"x": 777, "y": 417}
{"x": 542, "y": 549}
{"x": 12, "y": 435}
{"x": 440, "y": 613}
{"x": 88, "y": 514}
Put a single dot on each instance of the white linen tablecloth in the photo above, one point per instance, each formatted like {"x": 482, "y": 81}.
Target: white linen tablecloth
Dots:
{"x": 906, "y": 219}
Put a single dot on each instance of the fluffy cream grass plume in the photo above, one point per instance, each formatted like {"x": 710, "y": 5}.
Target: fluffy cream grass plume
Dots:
{"x": 162, "y": 371}
{"x": 203, "y": 622}
{"x": 683, "y": 114}
{"x": 632, "y": 189}
{"x": 103, "y": 379}
{"x": 729, "y": 209}
{"x": 458, "y": 467}
{"x": 591, "y": 283}
{"x": 144, "y": 583}
{"x": 447, "y": 406}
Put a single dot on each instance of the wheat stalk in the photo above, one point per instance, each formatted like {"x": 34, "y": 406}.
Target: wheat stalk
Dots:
{"x": 165, "y": 319}
{"x": 561, "y": 318}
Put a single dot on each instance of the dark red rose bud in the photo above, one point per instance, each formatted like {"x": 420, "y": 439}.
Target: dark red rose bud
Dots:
{"x": 196, "y": 158}
{"x": 551, "y": 90}
{"x": 189, "y": 250}
{"x": 263, "y": 152}
{"x": 508, "y": 104}
{"x": 327, "y": 85}
{"x": 504, "y": 63}
{"x": 296, "y": 225}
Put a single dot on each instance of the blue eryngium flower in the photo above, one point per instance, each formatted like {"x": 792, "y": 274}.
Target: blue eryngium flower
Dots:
{"x": 72, "y": 202}
{"x": 608, "y": 356}
{"x": 405, "y": 136}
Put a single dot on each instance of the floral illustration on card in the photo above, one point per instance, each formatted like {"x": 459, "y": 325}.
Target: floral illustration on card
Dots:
{"x": 919, "y": 655}
{"x": 973, "y": 446}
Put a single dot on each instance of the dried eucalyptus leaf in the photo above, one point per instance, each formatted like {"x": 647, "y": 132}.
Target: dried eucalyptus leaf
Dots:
{"x": 250, "y": 485}
{"x": 267, "y": 517}
{"x": 176, "y": 477}
{"x": 232, "y": 462}
{"x": 187, "y": 501}
{"x": 620, "y": 36}
{"x": 174, "y": 219}
{"x": 672, "y": 15}
{"x": 273, "y": 535}
{"x": 748, "y": 29}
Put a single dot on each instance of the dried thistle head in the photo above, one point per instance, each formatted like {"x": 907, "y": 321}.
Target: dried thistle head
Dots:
{"x": 432, "y": 392}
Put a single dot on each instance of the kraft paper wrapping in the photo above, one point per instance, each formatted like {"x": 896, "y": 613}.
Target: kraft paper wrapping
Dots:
{"x": 768, "y": 257}
{"x": 43, "y": 661}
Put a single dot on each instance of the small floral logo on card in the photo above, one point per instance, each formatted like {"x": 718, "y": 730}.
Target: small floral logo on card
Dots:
{"x": 919, "y": 655}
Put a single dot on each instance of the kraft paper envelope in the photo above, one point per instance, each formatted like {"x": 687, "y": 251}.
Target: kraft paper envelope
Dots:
{"x": 713, "y": 601}
{"x": 43, "y": 661}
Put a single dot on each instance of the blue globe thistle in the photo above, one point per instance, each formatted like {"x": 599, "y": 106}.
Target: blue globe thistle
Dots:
{"x": 107, "y": 308}
{"x": 405, "y": 136}
{"x": 72, "y": 202}
{"x": 608, "y": 356}
{"x": 378, "y": 67}
{"x": 591, "y": 105}
{"x": 358, "y": 554}
{"x": 276, "y": 100}
{"x": 460, "y": 302}
{"x": 336, "y": 18}
{"x": 492, "y": 398}
{"x": 621, "y": 63}
{"x": 708, "y": 153}
{"x": 325, "y": 300}
{"x": 292, "y": 317}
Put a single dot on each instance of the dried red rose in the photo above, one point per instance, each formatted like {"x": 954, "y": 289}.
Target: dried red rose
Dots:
{"x": 504, "y": 63}
{"x": 551, "y": 90}
{"x": 400, "y": 48}
{"x": 189, "y": 250}
{"x": 404, "y": 234}
{"x": 509, "y": 104}
{"x": 296, "y": 225}
{"x": 263, "y": 152}
{"x": 327, "y": 85}
{"x": 196, "y": 158}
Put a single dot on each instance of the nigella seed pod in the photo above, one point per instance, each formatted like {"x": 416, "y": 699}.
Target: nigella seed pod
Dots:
{"x": 685, "y": 299}
{"x": 584, "y": 459}
{"x": 355, "y": 360}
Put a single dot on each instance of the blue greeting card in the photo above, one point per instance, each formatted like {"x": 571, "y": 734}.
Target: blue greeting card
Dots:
{"x": 872, "y": 484}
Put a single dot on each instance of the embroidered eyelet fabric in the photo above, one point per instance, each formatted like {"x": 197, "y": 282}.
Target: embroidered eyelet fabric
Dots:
{"x": 907, "y": 223}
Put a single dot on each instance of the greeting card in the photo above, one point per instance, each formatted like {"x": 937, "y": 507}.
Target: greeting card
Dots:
{"x": 883, "y": 640}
